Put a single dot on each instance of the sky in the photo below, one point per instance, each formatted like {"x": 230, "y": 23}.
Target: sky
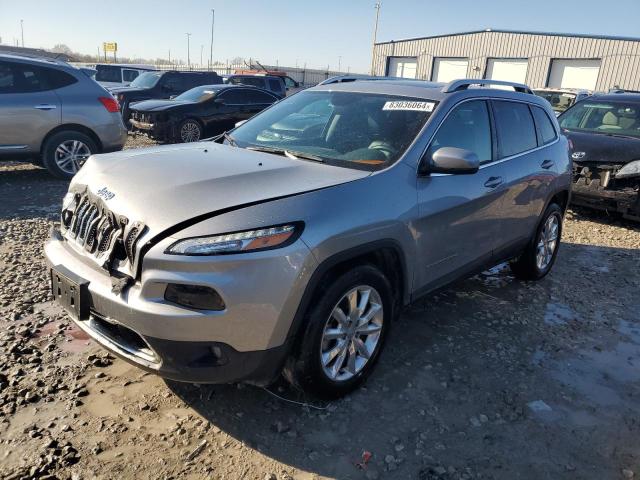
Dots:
{"x": 289, "y": 32}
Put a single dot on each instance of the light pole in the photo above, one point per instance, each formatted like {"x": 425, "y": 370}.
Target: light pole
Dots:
{"x": 188, "y": 50}
{"x": 213, "y": 16}
{"x": 339, "y": 62}
{"x": 375, "y": 35}
{"x": 201, "y": 49}
{"x": 22, "y": 32}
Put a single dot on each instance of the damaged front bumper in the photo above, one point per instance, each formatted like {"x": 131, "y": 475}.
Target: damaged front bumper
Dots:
{"x": 596, "y": 186}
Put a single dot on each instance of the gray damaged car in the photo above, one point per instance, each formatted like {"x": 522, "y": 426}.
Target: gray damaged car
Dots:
{"x": 294, "y": 245}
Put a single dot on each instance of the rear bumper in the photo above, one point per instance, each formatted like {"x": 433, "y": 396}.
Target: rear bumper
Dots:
{"x": 113, "y": 135}
{"x": 625, "y": 202}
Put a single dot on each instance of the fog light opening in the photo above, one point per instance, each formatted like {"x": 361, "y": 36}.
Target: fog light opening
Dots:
{"x": 198, "y": 297}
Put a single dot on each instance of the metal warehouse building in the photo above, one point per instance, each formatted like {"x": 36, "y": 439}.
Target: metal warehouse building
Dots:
{"x": 535, "y": 58}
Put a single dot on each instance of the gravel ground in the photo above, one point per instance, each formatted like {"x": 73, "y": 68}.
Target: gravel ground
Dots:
{"x": 490, "y": 379}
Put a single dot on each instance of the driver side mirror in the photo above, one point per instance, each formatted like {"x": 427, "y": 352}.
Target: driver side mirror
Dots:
{"x": 453, "y": 160}
{"x": 241, "y": 122}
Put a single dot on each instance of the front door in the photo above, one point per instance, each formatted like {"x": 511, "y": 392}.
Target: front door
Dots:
{"x": 456, "y": 228}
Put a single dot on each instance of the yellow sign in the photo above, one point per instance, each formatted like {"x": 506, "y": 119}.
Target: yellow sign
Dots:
{"x": 110, "y": 46}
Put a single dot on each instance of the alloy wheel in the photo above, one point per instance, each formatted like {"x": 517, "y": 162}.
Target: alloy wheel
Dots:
{"x": 351, "y": 333}
{"x": 547, "y": 242}
{"x": 70, "y": 155}
{"x": 190, "y": 132}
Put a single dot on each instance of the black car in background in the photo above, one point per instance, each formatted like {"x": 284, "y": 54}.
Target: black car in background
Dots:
{"x": 160, "y": 85}
{"x": 605, "y": 135}
{"x": 198, "y": 113}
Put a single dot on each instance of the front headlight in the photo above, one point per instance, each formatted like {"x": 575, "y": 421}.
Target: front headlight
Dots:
{"x": 238, "y": 242}
{"x": 631, "y": 169}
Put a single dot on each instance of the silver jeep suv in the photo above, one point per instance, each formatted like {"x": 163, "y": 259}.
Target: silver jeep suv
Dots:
{"x": 294, "y": 245}
{"x": 53, "y": 113}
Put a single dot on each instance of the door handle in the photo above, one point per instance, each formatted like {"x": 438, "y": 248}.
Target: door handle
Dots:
{"x": 45, "y": 106}
{"x": 547, "y": 164}
{"x": 493, "y": 182}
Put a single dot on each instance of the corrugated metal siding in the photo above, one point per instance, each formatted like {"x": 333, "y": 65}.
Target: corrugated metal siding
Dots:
{"x": 620, "y": 59}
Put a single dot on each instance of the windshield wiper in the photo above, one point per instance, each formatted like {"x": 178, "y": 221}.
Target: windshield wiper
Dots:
{"x": 287, "y": 153}
{"x": 229, "y": 139}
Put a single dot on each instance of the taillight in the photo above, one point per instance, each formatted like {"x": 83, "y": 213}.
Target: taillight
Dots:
{"x": 110, "y": 104}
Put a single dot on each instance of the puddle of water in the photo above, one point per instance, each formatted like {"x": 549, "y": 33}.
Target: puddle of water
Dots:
{"x": 558, "y": 314}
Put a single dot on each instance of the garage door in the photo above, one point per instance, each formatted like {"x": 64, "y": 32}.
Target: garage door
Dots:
{"x": 447, "y": 69}
{"x": 507, "y": 70}
{"x": 403, "y": 67}
{"x": 574, "y": 74}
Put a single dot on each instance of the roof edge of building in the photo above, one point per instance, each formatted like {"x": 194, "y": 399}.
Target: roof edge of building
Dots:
{"x": 521, "y": 32}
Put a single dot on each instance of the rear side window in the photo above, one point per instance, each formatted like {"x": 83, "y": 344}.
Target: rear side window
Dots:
{"x": 516, "y": 131}
{"x": 254, "y": 96}
{"x": 275, "y": 85}
{"x": 543, "y": 125}
{"x": 235, "y": 96}
{"x": 129, "y": 75}
{"x": 467, "y": 126}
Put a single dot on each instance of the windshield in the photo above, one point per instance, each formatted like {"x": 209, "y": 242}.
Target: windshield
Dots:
{"x": 345, "y": 128}
{"x": 559, "y": 101}
{"x": 198, "y": 94}
{"x": 617, "y": 118}
{"x": 146, "y": 80}
{"x": 106, "y": 73}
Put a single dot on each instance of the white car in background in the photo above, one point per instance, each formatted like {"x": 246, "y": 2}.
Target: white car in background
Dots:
{"x": 113, "y": 75}
{"x": 562, "y": 98}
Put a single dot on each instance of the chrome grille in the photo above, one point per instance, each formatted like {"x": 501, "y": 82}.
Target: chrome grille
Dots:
{"x": 93, "y": 226}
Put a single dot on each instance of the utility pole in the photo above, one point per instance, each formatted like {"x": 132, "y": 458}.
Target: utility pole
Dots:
{"x": 213, "y": 16}
{"x": 201, "y": 49}
{"x": 22, "y": 32}
{"x": 169, "y": 56}
{"x": 375, "y": 35}
{"x": 339, "y": 62}
{"x": 188, "y": 50}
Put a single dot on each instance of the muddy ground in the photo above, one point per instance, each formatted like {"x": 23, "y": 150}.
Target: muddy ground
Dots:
{"x": 492, "y": 378}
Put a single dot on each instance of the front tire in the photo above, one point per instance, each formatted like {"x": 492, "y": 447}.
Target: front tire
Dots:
{"x": 540, "y": 255}
{"x": 346, "y": 327}
{"x": 189, "y": 131}
{"x": 65, "y": 152}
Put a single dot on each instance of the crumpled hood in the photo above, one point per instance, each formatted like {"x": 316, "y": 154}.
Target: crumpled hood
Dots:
{"x": 164, "y": 186}
{"x": 600, "y": 148}
{"x": 157, "y": 105}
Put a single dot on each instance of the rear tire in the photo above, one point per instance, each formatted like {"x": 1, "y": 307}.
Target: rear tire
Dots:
{"x": 540, "y": 255}
{"x": 65, "y": 152}
{"x": 338, "y": 351}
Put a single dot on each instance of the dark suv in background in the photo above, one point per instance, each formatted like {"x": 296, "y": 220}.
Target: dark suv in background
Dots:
{"x": 160, "y": 85}
{"x": 270, "y": 83}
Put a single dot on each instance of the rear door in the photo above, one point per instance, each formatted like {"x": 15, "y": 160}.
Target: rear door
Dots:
{"x": 457, "y": 228}
{"x": 527, "y": 171}
{"x": 29, "y": 108}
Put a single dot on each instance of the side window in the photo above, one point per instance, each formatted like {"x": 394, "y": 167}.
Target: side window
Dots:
{"x": 467, "y": 126}
{"x": 544, "y": 126}
{"x": 254, "y": 96}
{"x": 107, "y": 73}
{"x": 173, "y": 83}
{"x": 235, "y": 96}
{"x": 516, "y": 131}
{"x": 275, "y": 85}
{"x": 55, "y": 79}
{"x": 21, "y": 78}
{"x": 129, "y": 75}
{"x": 289, "y": 82}
{"x": 254, "y": 81}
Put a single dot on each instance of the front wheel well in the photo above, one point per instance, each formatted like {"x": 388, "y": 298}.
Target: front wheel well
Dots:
{"x": 387, "y": 259}
{"x": 561, "y": 199}
{"x": 74, "y": 128}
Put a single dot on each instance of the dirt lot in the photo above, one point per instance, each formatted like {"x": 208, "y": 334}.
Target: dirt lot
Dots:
{"x": 491, "y": 379}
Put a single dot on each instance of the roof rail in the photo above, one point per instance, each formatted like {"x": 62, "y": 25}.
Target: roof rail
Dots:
{"x": 465, "y": 83}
